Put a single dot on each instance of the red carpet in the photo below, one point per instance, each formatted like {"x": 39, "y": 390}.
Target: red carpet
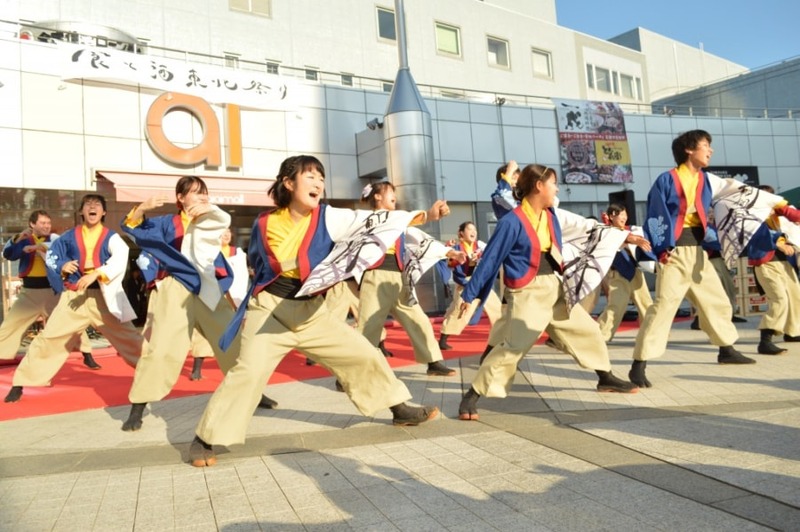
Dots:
{"x": 76, "y": 387}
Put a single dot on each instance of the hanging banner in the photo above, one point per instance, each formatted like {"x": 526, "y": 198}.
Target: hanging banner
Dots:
{"x": 215, "y": 84}
{"x": 594, "y": 144}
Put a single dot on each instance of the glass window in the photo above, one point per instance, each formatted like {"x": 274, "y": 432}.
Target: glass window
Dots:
{"x": 627, "y": 85}
{"x": 542, "y": 63}
{"x": 347, "y": 80}
{"x": 312, "y": 74}
{"x": 590, "y": 76}
{"x": 272, "y": 67}
{"x": 602, "y": 79}
{"x": 639, "y": 93}
{"x": 257, "y": 7}
{"x": 231, "y": 61}
{"x": 386, "y": 27}
{"x": 387, "y": 86}
{"x": 615, "y": 80}
{"x": 447, "y": 39}
{"x": 498, "y": 52}
{"x": 451, "y": 94}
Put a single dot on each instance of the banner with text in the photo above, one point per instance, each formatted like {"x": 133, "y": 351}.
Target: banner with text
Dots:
{"x": 593, "y": 141}
{"x": 213, "y": 83}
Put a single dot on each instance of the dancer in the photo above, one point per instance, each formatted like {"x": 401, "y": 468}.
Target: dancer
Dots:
{"x": 503, "y": 200}
{"x": 677, "y": 212}
{"x": 527, "y": 243}
{"x": 454, "y": 320}
{"x": 625, "y": 281}
{"x": 86, "y": 266}
{"x": 285, "y": 246}
{"x": 384, "y": 292}
{"x": 36, "y": 299}
{"x": 769, "y": 254}
{"x": 194, "y": 279}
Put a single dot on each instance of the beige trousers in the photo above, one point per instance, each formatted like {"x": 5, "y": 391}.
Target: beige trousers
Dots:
{"x": 688, "y": 273}
{"x": 31, "y": 304}
{"x": 725, "y": 278}
{"x": 272, "y": 328}
{"x": 74, "y": 312}
{"x": 531, "y": 309}
{"x": 172, "y": 314}
{"x": 200, "y": 347}
{"x": 453, "y": 324}
{"x": 620, "y": 292}
{"x": 383, "y": 293}
{"x": 782, "y": 289}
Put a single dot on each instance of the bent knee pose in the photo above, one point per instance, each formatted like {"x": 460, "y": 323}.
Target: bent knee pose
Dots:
{"x": 285, "y": 246}
{"x": 86, "y": 266}
{"x": 527, "y": 243}
{"x": 36, "y": 299}
{"x": 383, "y": 290}
{"x": 193, "y": 278}
{"x": 454, "y": 320}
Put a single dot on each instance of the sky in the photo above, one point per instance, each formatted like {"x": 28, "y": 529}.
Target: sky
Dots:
{"x": 752, "y": 34}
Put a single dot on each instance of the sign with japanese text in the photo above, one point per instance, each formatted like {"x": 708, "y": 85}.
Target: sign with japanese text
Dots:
{"x": 214, "y": 84}
{"x": 594, "y": 144}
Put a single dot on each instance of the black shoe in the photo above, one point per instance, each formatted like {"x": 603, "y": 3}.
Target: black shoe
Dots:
{"x": 89, "y": 362}
{"x": 339, "y": 387}
{"x": 789, "y": 338}
{"x": 197, "y": 369}
{"x": 768, "y": 348}
{"x": 610, "y": 383}
{"x": 695, "y": 326}
{"x": 201, "y": 454}
{"x": 443, "y": 345}
{"x": 729, "y": 355}
{"x": 637, "y": 374}
{"x": 14, "y": 394}
{"x": 134, "y": 421}
{"x": 411, "y": 416}
{"x": 438, "y": 369}
{"x": 468, "y": 409}
{"x": 267, "y": 403}
{"x": 738, "y": 319}
{"x": 310, "y": 362}
{"x": 383, "y": 349}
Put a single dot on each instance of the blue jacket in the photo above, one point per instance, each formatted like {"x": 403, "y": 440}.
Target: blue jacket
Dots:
{"x": 503, "y": 201}
{"x": 68, "y": 247}
{"x": 316, "y": 245}
{"x": 515, "y": 246}
{"x": 666, "y": 210}
{"x": 162, "y": 237}
{"x": 15, "y": 251}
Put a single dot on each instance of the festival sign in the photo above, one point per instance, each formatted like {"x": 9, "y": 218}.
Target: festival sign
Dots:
{"x": 215, "y": 84}
{"x": 594, "y": 145}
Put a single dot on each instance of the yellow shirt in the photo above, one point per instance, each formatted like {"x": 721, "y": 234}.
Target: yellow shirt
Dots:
{"x": 284, "y": 236}
{"x": 91, "y": 235}
{"x": 38, "y": 267}
{"x": 539, "y": 224}
{"x": 689, "y": 183}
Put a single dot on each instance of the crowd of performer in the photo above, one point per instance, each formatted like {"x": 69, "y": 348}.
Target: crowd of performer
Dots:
{"x": 306, "y": 261}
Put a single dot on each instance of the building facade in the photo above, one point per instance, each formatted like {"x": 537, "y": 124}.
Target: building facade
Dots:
{"x": 78, "y": 113}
